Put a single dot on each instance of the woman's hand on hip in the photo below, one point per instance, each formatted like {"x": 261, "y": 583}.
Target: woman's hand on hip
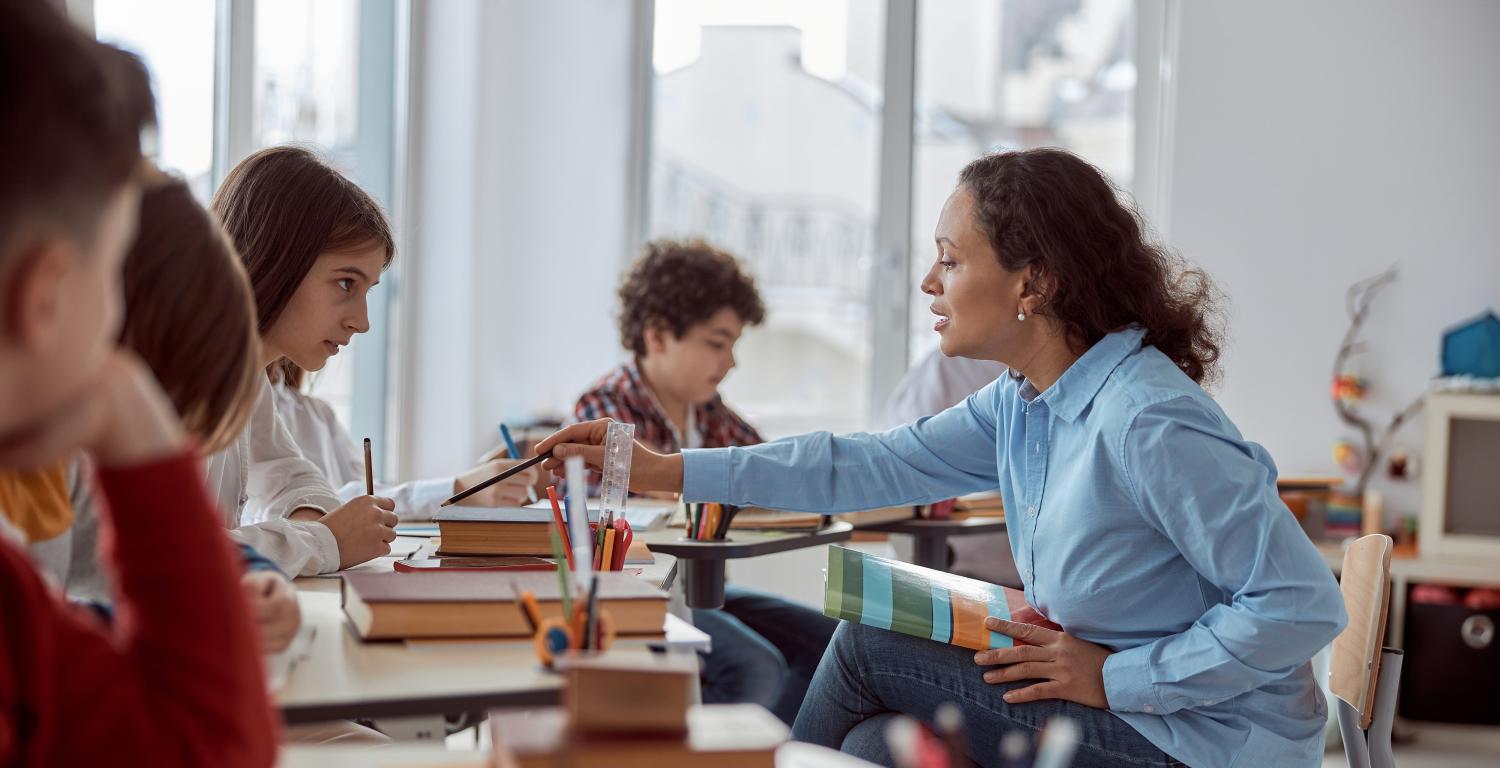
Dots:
{"x": 1068, "y": 668}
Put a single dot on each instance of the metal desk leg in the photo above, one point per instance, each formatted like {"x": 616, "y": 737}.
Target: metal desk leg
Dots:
{"x": 930, "y": 550}
{"x": 703, "y": 583}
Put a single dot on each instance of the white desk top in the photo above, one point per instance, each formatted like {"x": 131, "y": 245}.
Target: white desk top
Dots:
{"x": 343, "y": 677}
{"x": 790, "y": 755}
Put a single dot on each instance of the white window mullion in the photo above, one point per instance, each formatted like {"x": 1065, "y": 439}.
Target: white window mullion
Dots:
{"x": 234, "y": 86}
{"x": 889, "y": 289}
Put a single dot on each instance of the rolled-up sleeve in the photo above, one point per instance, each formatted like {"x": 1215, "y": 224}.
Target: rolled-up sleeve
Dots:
{"x": 1215, "y": 499}
{"x": 297, "y": 547}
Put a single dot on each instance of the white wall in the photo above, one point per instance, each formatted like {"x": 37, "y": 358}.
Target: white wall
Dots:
{"x": 1317, "y": 144}
{"x": 519, "y": 172}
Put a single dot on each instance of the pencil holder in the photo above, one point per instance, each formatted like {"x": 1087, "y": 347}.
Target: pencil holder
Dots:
{"x": 703, "y": 582}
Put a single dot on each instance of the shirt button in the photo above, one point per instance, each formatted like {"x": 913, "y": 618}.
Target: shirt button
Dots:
{"x": 1031, "y": 511}
{"x": 1149, "y": 709}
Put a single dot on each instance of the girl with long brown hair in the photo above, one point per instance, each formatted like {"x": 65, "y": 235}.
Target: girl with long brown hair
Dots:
{"x": 262, "y": 477}
{"x": 314, "y": 244}
{"x": 1141, "y": 521}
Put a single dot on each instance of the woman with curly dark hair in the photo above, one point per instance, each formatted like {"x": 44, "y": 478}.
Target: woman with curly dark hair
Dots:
{"x": 1141, "y": 520}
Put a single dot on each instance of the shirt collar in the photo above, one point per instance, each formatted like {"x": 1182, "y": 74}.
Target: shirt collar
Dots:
{"x": 1076, "y": 388}
{"x": 638, "y": 384}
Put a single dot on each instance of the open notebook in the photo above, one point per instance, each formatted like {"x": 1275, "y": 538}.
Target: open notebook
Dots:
{"x": 921, "y": 602}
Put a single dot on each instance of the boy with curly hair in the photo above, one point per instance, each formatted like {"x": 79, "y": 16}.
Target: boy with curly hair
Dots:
{"x": 683, "y": 306}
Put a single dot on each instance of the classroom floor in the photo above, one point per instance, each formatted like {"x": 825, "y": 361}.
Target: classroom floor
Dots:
{"x": 1440, "y": 746}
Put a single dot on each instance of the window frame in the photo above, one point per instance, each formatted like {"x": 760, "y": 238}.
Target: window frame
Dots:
{"x": 383, "y": 75}
{"x": 890, "y": 289}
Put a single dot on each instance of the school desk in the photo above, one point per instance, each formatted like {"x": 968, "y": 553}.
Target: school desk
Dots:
{"x": 790, "y": 755}
{"x": 930, "y": 537}
{"x": 342, "y": 677}
{"x": 701, "y": 563}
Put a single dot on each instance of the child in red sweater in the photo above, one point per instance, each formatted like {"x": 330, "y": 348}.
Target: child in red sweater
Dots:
{"x": 177, "y": 680}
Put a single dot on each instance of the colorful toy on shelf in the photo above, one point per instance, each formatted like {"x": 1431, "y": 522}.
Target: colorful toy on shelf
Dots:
{"x": 1348, "y": 390}
{"x": 1347, "y": 457}
{"x": 1473, "y": 348}
{"x": 1399, "y": 467}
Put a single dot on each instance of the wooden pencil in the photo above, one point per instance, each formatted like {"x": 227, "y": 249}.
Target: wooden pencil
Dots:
{"x": 517, "y": 469}
{"x": 369, "y": 471}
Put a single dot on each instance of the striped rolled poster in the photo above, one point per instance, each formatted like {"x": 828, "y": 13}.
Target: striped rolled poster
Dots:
{"x": 921, "y": 602}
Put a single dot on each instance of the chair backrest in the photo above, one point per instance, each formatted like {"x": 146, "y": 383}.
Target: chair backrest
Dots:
{"x": 1355, "y": 664}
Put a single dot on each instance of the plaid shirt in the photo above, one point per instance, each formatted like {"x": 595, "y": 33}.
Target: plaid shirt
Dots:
{"x": 622, "y": 395}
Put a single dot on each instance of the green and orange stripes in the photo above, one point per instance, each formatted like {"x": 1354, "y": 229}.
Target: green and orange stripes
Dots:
{"x": 918, "y": 601}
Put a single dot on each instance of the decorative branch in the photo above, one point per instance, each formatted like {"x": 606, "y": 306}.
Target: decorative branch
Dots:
{"x": 1357, "y": 303}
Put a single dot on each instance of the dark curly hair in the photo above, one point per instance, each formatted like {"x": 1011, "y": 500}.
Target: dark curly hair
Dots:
{"x": 679, "y": 284}
{"x": 1050, "y": 210}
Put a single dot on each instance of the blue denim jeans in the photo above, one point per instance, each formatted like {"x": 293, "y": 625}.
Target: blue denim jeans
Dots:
{"x": 765, "y": 650}
{"x": 869, "y": 675}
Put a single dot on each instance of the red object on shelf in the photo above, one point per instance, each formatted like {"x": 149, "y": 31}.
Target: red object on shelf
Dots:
{"x": 1483, "y": 599}
{"x": 1433, "y": 594}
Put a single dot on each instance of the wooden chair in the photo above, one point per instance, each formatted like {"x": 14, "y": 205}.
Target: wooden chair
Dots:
{"x": 1364, "y": 676}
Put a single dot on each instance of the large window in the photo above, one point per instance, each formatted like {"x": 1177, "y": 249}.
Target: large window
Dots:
{"x": 306, "y": 92}
{"x": 766, "y": 131}
{"x": 1012, "y": 75}
{"x": 180, "y": 58}
{"x": 317, "y": 74}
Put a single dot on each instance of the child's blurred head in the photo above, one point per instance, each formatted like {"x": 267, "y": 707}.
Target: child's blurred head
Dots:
{"x": 313, "y": 244}
{"x": 71, "y": 118}
{"x": 189, "y": 315}
{"x": 683, "y": 306}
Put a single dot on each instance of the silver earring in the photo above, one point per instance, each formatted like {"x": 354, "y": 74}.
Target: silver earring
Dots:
{"x": 1021, "y": 315}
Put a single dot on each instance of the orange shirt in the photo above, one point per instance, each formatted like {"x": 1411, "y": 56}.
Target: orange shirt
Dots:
{"x": 37, "y": 502}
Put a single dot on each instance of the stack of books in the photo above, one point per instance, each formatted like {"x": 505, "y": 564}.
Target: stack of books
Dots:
{"x": 718, "y": 736}
{"x": 386, "y": 606}
{"x": 497, "y": 531}
{"x": 757, "y": 519}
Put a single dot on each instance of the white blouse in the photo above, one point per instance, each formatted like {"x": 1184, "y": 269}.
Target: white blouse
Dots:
{"x": 325, "y": 442}
{"x": 262, "y": 478}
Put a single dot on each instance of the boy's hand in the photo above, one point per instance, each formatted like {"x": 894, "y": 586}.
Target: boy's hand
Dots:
{"x": 122, "y": 417}
{"x": 274, "y": 604}
{"x": 364, "y": 528}
{"x": 510, "y": 492}
{"x": 649, "y": 470}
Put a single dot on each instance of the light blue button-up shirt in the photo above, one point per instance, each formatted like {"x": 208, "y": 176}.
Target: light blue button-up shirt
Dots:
{"x": 1140, "y": 519}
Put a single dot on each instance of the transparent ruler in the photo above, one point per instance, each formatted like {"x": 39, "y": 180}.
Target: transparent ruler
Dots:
{"x": 618, "y": 443}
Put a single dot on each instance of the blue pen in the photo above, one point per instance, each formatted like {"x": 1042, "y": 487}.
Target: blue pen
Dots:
{"x": 515, "y": 453}
{"x": 510, "y": 444}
